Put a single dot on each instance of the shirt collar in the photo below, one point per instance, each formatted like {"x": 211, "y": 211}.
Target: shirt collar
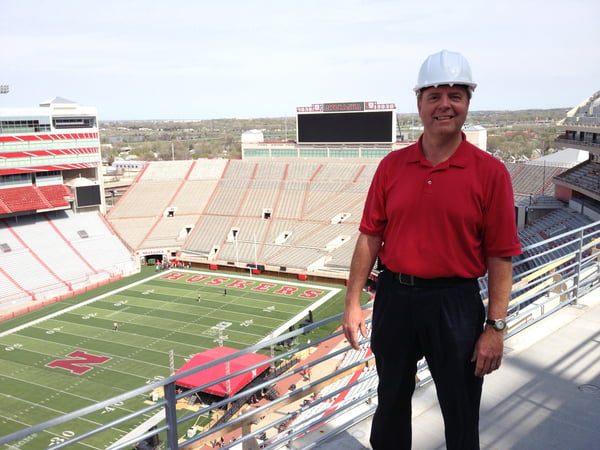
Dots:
{"x": 459, "y": 158}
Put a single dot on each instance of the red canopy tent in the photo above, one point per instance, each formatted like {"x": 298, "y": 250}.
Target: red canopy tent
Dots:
{"x": 214, "y": 373}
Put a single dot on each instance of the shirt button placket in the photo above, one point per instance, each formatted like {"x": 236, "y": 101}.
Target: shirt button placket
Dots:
{"x": 428, "y": 184}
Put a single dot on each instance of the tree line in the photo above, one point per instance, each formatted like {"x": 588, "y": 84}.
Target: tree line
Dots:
{"x": 511, "y": 135}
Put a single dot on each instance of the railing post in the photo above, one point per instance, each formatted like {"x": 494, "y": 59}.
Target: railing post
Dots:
{"x": 171, "y": 416}
{"x": 578, "y": 268}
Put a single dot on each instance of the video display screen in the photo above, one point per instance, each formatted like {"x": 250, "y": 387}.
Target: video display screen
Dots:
{"x": 372, "y": 126}
{"x": 88, "y": 195}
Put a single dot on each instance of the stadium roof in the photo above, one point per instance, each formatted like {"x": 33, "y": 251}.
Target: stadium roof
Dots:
{"x": 568, "y": 157}
{"x": 214, "y": 373}
{"x": 57, "y": 101}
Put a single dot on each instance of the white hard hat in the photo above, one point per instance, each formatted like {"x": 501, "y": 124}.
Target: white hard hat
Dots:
{"x": 445, "y": 67}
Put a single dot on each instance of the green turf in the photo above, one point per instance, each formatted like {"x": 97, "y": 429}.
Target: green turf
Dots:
{"x": 155, "y": 316}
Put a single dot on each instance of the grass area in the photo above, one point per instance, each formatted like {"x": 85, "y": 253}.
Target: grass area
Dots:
{"x": 67, "y": 356}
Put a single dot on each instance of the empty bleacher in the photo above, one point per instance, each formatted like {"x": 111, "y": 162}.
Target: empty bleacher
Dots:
{"x": 209, "y": 199}
{"x": 585, "y": 176}
{"x": 193, "y": 196}
{"x": 340, "y": 257}
{"x": 95, "y": 242}
{"x": 303, "y": 170}
{"x": 63, "y": 253}
{"x": 537, "y": 252}
{"x": 262, "y": 194}
{"x": 263, "y": 199}
{"x": 338, "y": 172}
{"x": 364, "y": 380}
{"x": 56, "y": 194}
{"x": 166, "y": 201}
{"x": 51, "y": 246}
{"x": 532, "y": 179}
{"x": 10, "y": 291}
{"x": 169, "y": 231}
{"x": 207, "y": 169}
{"x": 133, "y": 229}
{"x": 301, "y": 197}
{"x": 24, "y": 198}
{"x": 37, "y": 277}
{"x": 291, "y": 199}
{"x": 166, "y": 171}
{"x": 214, "y": 230}
{"x": 228, "y": 197}
{"x": 307, "y": 195}
{"x": 34, "y": 198}
{"x": 145, "y": 199}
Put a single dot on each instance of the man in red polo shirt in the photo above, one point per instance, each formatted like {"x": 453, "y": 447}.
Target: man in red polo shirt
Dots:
{"x": 439, "y": 214}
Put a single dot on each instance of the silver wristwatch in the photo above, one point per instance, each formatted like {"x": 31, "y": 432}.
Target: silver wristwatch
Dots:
{"x": 497, "y": 324}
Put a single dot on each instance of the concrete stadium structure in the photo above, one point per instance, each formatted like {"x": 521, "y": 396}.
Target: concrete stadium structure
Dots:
{"x": 52, "y": 207}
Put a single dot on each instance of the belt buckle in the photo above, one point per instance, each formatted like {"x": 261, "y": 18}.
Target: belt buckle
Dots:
{"x": 407, "y": 280}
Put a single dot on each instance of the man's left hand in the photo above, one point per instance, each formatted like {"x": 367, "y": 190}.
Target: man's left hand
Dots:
{"x": 488, "y": 352}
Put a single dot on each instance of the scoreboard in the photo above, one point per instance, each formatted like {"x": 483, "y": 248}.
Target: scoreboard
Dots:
{"x": 347, "y": 122}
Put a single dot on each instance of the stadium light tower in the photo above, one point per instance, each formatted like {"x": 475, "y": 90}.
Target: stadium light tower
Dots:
{"x": 4, "y": 88}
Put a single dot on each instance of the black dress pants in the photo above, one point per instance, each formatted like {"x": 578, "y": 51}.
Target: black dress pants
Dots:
{"x": 441, "y": 323}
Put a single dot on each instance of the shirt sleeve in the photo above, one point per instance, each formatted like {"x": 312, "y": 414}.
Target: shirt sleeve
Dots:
{"x": 500, "y": 236}
{"x": 374, "y": 217}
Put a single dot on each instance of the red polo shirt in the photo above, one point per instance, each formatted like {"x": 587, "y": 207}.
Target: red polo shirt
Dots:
{"x": 441, "y": 221}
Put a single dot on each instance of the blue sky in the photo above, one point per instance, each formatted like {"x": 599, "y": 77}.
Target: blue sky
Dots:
{"x": 256, "y": 58}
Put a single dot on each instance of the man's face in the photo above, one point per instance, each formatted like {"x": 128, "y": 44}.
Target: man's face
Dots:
{"x": 443, "y": 109}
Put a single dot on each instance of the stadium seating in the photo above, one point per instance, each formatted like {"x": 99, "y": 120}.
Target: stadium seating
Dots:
{"x": 166, "y": 171}
{"x": 34, "y": 198}
{"x": 297, "y": 214}
{"x": 530, "y": 180}
{"x": 184, "y": 187}
{"x": 302, "y": 198}
{"x": 365, "y": 381}
{"x": 24, "y": 198}
{"x": 536, "y": 252}
{"x": 263, "y": 199}
{"x": 56, "y": 194}
{"x": 63, "y": 253}
{"x": 585, "y": 175}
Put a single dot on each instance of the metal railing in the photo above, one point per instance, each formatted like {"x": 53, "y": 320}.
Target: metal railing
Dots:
{"x": 316, "y": 390}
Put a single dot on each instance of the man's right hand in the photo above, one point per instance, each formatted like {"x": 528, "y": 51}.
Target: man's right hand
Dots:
{"x": 353, "y": 323}
{"x": 365, "y": 252}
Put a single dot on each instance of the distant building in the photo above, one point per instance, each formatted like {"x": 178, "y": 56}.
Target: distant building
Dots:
{"x": 252, "y": 136}
{"x": 476, "y": 135}
{"x": 50, "y": 155}
{"x": 580, "y": 185}
{"x": 128, "y": 164}
{"x": 581, "y": 128}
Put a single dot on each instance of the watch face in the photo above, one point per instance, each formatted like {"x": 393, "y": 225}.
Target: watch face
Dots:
{"x": 499, "y": 324}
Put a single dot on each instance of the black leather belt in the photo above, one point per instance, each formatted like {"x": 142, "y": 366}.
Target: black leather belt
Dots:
{"x": 411, "y": 280}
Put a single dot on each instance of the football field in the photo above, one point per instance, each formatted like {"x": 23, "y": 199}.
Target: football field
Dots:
{"x": 100, "y": 347}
